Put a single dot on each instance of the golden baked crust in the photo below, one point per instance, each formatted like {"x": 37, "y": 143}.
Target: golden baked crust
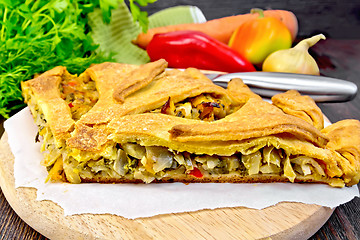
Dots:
{"x": 249, "y": 123}
{"x": 240, "y": 90}
{"x": 176, "y": 84}
{"x": 291, "y": 102}
{"x": 45, "y": 91}
{"x": 138, "y": 79}
{"x": 345, "y": 140}
{"x": 148, "y": 124}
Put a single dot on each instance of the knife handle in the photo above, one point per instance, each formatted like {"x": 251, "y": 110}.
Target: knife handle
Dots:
{"x": 320, "y": 88}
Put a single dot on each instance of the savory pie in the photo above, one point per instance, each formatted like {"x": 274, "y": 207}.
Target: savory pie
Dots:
{"x": 117, "y": 123}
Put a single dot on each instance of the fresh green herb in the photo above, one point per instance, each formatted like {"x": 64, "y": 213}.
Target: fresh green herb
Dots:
{"x": 36, "y": 36}
{"x": 138, "y": 15}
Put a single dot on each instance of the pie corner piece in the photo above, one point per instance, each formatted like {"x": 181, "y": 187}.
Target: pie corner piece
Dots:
{"x": 119, "y": 123}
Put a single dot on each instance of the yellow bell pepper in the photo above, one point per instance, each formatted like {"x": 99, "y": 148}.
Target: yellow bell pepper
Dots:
{"x": 259, "y": 37}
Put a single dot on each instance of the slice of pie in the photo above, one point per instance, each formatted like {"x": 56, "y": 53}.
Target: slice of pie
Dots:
{"x": 121, "y": 123}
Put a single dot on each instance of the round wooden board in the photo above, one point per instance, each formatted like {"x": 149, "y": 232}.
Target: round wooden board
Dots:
{"x": 282, "y": 221}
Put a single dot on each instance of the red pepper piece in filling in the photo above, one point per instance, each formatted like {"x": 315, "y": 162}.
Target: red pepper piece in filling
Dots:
{"x": 183, "y": 49}
{"x": 72, "y": 83}
{"x": 196, "y": 173}
{"x": 207, "y": 110}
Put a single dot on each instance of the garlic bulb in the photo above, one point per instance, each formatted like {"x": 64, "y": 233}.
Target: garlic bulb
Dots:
{"x": 294, "y": 60}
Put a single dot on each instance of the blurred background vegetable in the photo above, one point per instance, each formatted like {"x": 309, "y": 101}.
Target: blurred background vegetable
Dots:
{"x": 36, "y": 36}
{"x": 116, "y": 36}
{"x": 220, "y": 28}
{"x": 294, "y": 60}
{"x": 255, "y": 39}
{"x": 183, "y": 49}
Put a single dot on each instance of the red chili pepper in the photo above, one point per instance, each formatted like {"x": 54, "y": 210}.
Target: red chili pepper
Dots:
{"x": 72, "y": 83}
{"x": 71, "y": 105}
{"x": 183, "y": 49}
{"x": 196, "y": 173}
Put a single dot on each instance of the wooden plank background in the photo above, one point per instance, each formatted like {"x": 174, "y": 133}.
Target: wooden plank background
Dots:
{"x": 338, "y": 19}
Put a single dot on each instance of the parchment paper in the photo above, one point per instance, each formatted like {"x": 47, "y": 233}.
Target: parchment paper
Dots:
{"x": 146, "y": 200}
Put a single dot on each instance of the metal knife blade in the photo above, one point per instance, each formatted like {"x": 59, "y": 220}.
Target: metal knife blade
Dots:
{"x": 267, "y": 84}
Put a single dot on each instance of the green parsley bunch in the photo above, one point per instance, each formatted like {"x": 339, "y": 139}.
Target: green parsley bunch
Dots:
{"x": 36, "y": 36}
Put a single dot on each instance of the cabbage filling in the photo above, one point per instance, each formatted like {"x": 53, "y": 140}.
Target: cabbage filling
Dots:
{"x": 54, "y": 152}
{"x": 203, "y": 107}
{"x": 79, "y": 93}
{"x": 148, "y": 163}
